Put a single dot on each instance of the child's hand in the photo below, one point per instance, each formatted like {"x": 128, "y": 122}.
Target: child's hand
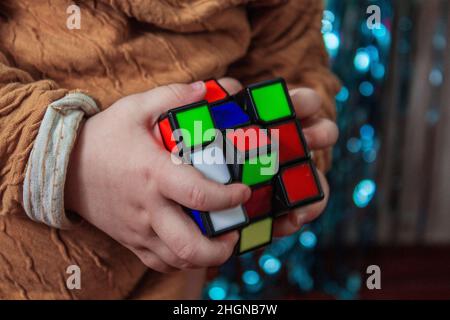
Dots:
{"x": 122, "y": 180}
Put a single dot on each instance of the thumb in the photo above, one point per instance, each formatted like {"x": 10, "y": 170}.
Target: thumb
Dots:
{"x": 159, "y": 100}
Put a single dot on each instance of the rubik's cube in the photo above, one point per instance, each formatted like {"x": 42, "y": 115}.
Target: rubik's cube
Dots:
{"x": 254, "y": 138}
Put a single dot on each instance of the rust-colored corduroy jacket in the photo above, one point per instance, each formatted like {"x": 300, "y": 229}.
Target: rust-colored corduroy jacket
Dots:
{"x": 124, "y": 47}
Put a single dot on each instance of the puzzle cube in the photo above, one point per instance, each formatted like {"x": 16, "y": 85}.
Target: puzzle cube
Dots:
{"x": 257, "y": 142}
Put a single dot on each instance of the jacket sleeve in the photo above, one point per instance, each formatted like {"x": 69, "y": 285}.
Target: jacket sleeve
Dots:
{"x": 38, "y": 126}
{"x": 23, "y": 102}
{"x": 287, "y": 42}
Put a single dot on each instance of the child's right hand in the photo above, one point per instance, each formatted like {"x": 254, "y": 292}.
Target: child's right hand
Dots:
{"x": 122, "y": 180}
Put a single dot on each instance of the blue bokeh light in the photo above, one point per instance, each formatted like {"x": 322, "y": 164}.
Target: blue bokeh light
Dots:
{"x": 383, "y": 35}
{"x": 367, "y": 131}
{"x": 343, "y": 95}
{"x": 366, "y": 88}
{"x": 329, "y": 15}
{"x": 332, "y": 43}
{"x": 218, "y": 289}
{"x": 378, "y": 71}
{"x": 370, "y": 156}
{"x": 354, "y": 145}
{"x": 362, "y": 60}
{"x": 364, "y": 193}
{"x": 269, "y": 264}
{"x": 251, "y": 277}
{"x": 308, "y": 239}
{"x": 436, "y": 77}
{"x": 327, "y": 26}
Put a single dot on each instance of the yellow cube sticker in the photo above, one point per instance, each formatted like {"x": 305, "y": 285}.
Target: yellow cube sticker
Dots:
{"x": 256, "y": 235}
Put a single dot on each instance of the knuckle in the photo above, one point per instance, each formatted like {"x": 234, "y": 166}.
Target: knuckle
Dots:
{"x": 197, "y": 198}
{"x": 186, "y": 252}
{"x": 176, "y": 91}
{"x": 227, "y": 251}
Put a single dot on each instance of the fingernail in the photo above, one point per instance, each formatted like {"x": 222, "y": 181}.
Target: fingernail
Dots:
{"x": 197, "y": 86}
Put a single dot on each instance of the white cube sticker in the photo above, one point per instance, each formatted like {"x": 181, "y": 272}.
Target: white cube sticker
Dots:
{"x": 211, "y": 162}
{"x": 225, "y": 219}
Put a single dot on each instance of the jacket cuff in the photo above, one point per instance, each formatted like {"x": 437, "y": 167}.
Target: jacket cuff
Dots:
{"x": 43, "y": 188}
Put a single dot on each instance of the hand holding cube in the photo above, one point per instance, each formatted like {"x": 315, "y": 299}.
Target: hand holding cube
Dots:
{"x": 266, "y": 104}
{"x": 118, "y": 169}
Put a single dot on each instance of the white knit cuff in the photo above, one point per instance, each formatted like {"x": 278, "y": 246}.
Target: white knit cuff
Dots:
{"x": 43, "y": 188}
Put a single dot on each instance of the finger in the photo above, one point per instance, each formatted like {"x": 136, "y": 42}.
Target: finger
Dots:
{"x": 231, "y": 85}
{"x": 296, "y": 219}
{"x": 190, "y": 188}
{"x": 168, "y": 256}
{"x": 152, "y": 261}
{"x": 320, "y": 133}
{"x": 161, "y": 99}
{"x": 306, "y": 102}
{"x": 184, "y": 238}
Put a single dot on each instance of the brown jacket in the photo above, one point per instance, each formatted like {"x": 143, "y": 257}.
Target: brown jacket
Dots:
{"x": 125, "y": 47}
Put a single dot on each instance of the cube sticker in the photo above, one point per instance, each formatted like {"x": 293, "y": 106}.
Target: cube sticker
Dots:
{"x": 260, "y": 202}
{"x": 212, "y": 163}
{"x": 291, "y": 144}
{"x": 299, "y": 184}
{"x": 167, "y": 135}
{"x": 260, "y": 169}
{"x": 229, "y": 115}
{"x": 198, "y": 219}
{"x": 188, "y": 119}
{"x": 247, "y": 139}
{"x": 255, "y": 235}
{"x": 214, "y": 91}
{"x": 271, "y": 102}
{"x": 227, "y": 219}
{"x": 253, "y": 139}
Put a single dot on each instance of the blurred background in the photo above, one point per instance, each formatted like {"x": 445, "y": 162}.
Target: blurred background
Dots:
{"x": 390, "y": 182}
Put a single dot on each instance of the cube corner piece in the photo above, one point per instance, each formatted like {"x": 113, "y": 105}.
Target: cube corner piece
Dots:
{"x": 186, "y": 117}
{"x": 214, "y": 91}
{"x": 269, "y": 101}
{"x": 298, "y": 185}
{"x": 167, "y": 133}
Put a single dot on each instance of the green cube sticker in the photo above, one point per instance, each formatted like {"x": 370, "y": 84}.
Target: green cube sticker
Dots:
{"x": 190, "y": 118}
{"x": 260, "y": 169}
{"x": 271, "y": 102}
{"x": 256, "y": 235}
